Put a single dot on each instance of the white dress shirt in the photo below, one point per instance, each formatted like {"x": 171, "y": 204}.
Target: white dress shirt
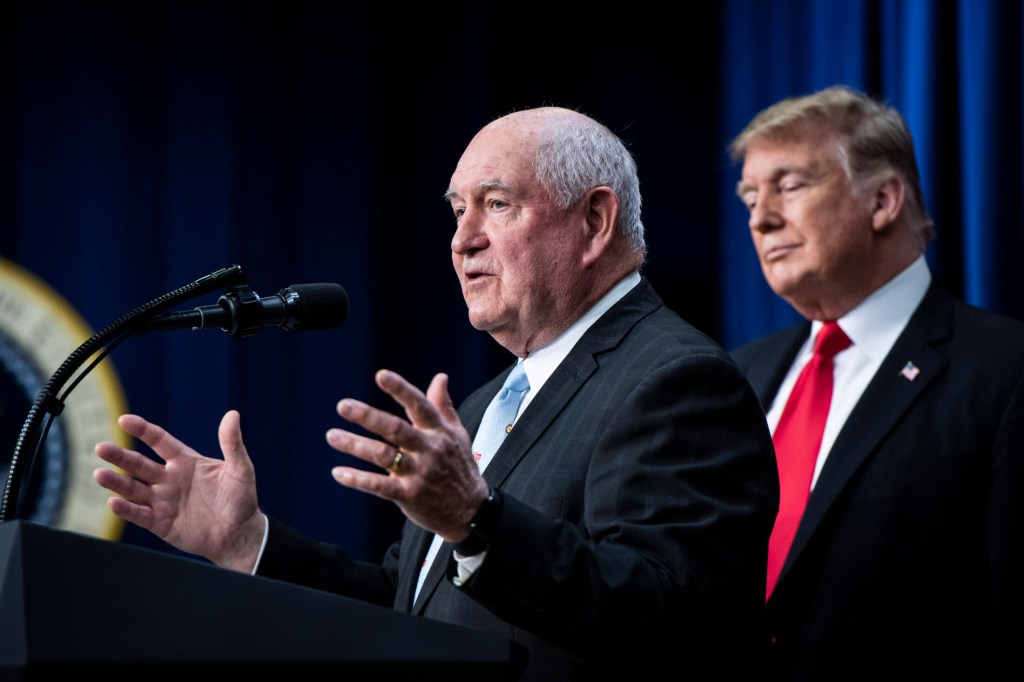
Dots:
{"x": 873, "y": 326}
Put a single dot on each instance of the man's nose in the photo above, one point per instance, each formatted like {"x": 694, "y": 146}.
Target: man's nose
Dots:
{"x": 469, "y": 234}
{"x": 764, "y": 214}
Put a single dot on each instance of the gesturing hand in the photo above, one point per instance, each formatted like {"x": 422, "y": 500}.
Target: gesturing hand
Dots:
{"x": 198, "y": 504}
{"x": 434, "y": 481}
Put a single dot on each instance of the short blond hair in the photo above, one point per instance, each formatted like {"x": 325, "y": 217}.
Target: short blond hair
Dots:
{"x": 874, "y": 139}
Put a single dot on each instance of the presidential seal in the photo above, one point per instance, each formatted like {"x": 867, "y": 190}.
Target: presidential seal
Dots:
{"x": 38, "y": 331}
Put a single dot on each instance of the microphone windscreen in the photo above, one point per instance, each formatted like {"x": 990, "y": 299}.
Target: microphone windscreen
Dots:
{"x": 320, "y": 306}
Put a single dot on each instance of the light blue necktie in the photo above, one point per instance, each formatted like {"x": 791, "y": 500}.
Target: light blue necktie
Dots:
{"x": 496, "y": 424}
{"x": 500, "y": 415}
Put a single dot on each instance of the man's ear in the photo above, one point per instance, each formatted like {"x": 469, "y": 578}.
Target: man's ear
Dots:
{"x": 888, "y": 200}
{"x": 600, "y": 209}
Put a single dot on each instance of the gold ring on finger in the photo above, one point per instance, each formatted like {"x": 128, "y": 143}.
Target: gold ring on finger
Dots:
{"x": 396, "y": 462}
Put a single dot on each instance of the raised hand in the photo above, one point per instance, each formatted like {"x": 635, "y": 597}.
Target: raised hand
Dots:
{"x": 199, "y": 504}
{"x": 435, "y": 482}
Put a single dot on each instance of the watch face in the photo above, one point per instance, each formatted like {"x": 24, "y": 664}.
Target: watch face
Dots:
{"x": 39, "y": 330}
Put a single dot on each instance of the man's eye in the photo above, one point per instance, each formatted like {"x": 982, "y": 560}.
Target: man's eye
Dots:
{"x": 498, "y": 204}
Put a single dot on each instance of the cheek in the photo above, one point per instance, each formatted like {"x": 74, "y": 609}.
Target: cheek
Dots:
{"x": 536, "y": 261}
{"x": 548, "y": 266}
{"x": 758, "y": 239}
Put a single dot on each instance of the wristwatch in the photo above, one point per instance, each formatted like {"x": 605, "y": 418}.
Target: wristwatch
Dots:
{"x": 482, "y": 525}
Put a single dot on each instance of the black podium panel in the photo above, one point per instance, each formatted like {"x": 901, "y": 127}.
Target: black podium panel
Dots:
{"x": 71, "y": 602}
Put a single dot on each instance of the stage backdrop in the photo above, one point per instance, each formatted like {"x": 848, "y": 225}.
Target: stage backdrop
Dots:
{"x": 952, "y": 68}
{"x": 145, "y": 145}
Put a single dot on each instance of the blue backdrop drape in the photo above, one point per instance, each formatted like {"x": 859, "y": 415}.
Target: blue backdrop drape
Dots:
{"x": 952, "y": 68}
{"x": 143, "y": 145}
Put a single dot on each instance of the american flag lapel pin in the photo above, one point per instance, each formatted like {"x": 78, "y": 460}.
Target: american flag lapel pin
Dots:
{"x": 910, "y": 371}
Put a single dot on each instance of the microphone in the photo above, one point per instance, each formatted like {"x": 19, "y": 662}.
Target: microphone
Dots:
{"x": 241, "y": 312}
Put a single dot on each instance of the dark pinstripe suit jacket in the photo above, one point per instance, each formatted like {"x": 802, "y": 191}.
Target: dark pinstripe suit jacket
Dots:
{"x": 910, "y": 556}
{"x": 640, "y": 489}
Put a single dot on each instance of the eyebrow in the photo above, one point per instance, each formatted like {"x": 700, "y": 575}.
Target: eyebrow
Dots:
{"x": 777, "y": 174}
{"x": 485, "y": 185}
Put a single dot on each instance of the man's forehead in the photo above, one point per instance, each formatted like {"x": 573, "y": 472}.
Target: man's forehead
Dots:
{"x": 502, "y": 155}
{"x": 778, "y": 154}
{"x": 795, "y": 139}
{"x": 508, "y": 173}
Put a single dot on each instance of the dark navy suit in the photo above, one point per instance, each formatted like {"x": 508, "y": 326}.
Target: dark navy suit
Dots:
{"x": 909, "y": 560}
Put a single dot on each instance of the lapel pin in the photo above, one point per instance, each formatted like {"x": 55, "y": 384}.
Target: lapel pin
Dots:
{"x": 910, "y": 371}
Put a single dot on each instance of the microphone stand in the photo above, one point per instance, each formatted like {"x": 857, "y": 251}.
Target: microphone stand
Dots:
{"x": 48, "y": 405}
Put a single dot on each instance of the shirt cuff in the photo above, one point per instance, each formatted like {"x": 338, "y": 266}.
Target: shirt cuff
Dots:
{"x": 263, "y": 545}
{"x": 467, "y": 566}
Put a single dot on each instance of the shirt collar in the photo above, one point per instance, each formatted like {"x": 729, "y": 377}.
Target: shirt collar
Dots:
{"x": 541, "y": 363}
{"x": 879, "y": 319}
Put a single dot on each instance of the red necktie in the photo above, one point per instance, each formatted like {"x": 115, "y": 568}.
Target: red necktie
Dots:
{"x": 797, "y": 440}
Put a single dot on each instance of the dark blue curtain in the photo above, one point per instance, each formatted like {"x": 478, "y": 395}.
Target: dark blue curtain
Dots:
{"x": 952, "y": 68}
{"x": 146, "y": 144}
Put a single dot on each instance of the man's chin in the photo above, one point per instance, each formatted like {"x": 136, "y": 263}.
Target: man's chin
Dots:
{"x": 781, "y": 279}
{"x": 480, "y": 322}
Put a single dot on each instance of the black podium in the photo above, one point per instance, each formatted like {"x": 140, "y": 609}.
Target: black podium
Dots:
{"x": 70, "y": 603}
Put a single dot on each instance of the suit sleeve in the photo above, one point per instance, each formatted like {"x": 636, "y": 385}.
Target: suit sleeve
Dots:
{"x": 296, "y": 558}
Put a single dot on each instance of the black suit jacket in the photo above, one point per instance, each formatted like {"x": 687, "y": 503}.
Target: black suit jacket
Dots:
{"x": 640, "y": 489}
{"x": 909, "y": 557}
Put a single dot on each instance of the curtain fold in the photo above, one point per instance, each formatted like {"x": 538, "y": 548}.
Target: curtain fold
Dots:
{"x": 145, "y": 145}
{"x": 952, "y": 68}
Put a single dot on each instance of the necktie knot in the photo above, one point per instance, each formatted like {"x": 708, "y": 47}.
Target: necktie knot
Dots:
{"x": 517, "y": 380}
{"x": 831, "y": 340}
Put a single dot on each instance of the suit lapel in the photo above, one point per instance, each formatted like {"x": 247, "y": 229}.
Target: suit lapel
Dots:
{"x": 414, "y": 550}
{"x": 471, "y": 412}
{"x": 566, "y": 381}
{"x": 887, "y": 397}
{"x": 569, "y": 377}
{"x": 559, "y": 389}
{"x": 766, "y": 375}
